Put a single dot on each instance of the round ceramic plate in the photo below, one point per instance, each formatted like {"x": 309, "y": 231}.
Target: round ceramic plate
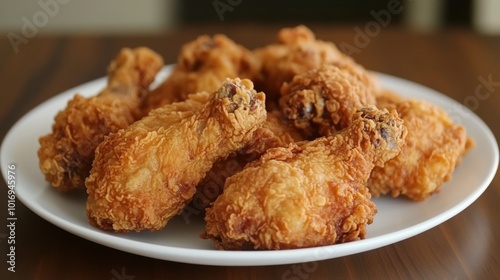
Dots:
{"x": 397, "y": 219}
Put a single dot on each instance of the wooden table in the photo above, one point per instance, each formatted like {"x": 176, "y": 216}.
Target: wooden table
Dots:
{"x": 451, "y": 62}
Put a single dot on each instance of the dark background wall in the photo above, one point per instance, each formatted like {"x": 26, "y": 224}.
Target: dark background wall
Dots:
{"x": 455, "y": 12}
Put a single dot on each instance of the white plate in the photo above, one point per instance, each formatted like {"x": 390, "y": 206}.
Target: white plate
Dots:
{"x": 397, "y": 219}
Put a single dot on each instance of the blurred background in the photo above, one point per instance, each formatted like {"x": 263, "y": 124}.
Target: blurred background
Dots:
{"x": 157, "y": 16}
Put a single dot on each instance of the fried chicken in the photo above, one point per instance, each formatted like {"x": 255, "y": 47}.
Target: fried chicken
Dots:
{"x": 66, "y": 154}
{"x": 203, "y": 65}
{"x": 310, "y": 193}
{"x": 145, "y": 174}
{"x": 296, "y": 51}
{"x": 275, "y": 132}
{"x": 434, "y": 146}
{"x": 322, "y": 101}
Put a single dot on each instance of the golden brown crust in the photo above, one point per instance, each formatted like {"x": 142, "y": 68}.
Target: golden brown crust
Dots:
{"x": 145, "y": 174}
{"x": 275, "y": 132}
{"x": 203, "y": 65}
{"x": 322, "y": 101}
{"x": 434, "y": 146}
{"x": 66, "y": 154}
{"x": 308, "y": 194}
{"x": 296, "y": 51}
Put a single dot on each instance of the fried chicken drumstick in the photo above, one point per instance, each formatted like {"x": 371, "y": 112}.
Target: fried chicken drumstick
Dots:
{"x": 307, "y": 194}
{"x": 434, "y": 147}
{"x": 202, "y": 65}
{"x": 145, "y": 174}
{"x": 275, "y": 132}
{"x": 66, "y": 154}
{"x": 323, "y": 101}
{"x": 296, "y": 51}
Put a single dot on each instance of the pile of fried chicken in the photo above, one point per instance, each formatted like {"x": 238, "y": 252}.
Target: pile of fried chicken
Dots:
{"x": 282, "y": 147}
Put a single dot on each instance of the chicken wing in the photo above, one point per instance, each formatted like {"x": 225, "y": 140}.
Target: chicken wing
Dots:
{"x": 434, "y": 146}
{"x": 309, "y": 193}
{"x": 66, "y": 154}
{"x": 145, "y": 174}
{"x": 203, "y": 65}
{"x": 323, "y": 101}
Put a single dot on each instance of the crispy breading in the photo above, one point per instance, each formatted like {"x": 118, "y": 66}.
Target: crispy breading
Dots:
{"x": 296, "y": 51}
{"x": 310, "y": 193}
{"x": 145, "y": 174}
{"x": 203, "y": 65}
{"x": 66, "y": 154}
{"x": 275, "y": 132}
{"x": 434, "y": 146}
{"x": 322, "y": 101}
